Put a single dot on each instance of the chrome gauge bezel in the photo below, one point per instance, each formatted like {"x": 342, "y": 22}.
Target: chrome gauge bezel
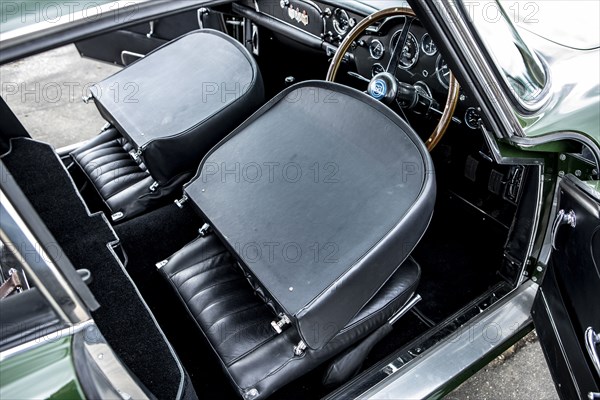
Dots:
{"x": 336, "y": 22}
{"x": 376, "y": 41}
{"x": 373, "y": 73}
{"x": 412, "y": 37}
{"x": 437, "y": 71}
{"x": 466, "y": 118}
{"x": 424, "y": 50}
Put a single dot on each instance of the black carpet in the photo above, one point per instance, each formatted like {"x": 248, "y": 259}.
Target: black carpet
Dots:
{"x": 459, "y": 256}
{"x": 122, "y": 317}
{"x": 153, "y": 237}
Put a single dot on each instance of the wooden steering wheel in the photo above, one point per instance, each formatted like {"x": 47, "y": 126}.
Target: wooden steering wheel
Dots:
{"x": 385, "y": 86}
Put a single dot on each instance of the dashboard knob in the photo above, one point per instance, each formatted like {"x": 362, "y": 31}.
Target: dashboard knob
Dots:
{"x": 327, "y": 13}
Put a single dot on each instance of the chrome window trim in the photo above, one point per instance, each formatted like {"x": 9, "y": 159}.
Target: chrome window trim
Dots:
{"x": 467, "y": 44}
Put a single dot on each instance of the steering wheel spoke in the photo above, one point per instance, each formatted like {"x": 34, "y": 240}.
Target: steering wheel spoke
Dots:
{"x": 385, "y": 86}
{"x": 399, "y": 46}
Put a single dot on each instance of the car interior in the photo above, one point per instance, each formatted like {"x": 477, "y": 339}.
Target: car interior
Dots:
{"x": 253, "y": 230}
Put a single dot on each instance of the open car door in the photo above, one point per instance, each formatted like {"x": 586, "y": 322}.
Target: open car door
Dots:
{"x": 566, "y": 312}
{"x": 126, "y": 45}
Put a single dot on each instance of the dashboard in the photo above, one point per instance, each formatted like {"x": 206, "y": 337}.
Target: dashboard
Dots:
{"x": 325, "y": 26}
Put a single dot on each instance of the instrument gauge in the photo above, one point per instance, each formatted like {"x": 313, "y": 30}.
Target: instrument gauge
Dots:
{"x": 377, "y": 69}
{"x": 341, "y": 21}
{"x": 442, "y": 72}
{"x": 427, "y": 45}
{"x": 409, "y": 54}
{"x": 376, "y": 49}
{"x": 472, "y": 118}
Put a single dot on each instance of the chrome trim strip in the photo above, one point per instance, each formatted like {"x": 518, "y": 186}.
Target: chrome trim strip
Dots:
{"x": 430, "y": 374}
{"x": 52, "y": 336}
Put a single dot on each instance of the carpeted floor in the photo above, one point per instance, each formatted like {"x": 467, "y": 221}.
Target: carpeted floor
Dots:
{"x": 122, "y": 317}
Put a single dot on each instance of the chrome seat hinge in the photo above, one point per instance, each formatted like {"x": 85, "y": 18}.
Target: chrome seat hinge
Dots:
{"x": 105, "y": 127}
{"x": 205, "y": 230}
{"x": 87, "y": 99}
{"x": 180, "y": 201}
{"x": 278, "y": 325}
{"x": 117, "y": 216}
{"x": 161, "y": 264}
{"x": 136, "y": 155}
{"x": 300, "y": 348}
{"x": 153, "y": 187}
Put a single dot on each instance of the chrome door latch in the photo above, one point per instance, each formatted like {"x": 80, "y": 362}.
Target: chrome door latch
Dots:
{"x": 592, "y": 340}
{"x": 562, "y": 218}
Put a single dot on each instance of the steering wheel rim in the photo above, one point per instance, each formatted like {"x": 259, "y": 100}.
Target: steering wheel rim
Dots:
{"x": 453, "y": 86}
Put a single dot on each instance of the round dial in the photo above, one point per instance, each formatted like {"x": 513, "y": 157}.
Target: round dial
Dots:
{"x": 341, "y": 21}
{"x": 376, "y": 49}
{"x": 427, "y": 45}
{"x": 409, "y": 53}
{"x": 377, "y": 69}
{"x": 442, "y": 72}
{"x": 472, "y": 118}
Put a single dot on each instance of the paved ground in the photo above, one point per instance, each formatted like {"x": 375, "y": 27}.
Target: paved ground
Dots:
{"x": 45, "y": 92}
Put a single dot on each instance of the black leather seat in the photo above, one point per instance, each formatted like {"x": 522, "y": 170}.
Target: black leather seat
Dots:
{"x": 117, "y": 177}
{"x": 369, "y": 214}
{"x": 236, "y": 321}
{"x": 166, "y": 111}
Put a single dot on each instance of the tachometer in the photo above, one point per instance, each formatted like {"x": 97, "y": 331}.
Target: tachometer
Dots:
{"x": 427, "y": 45}
{"x": 409, "y": 54}
{"x": 442, "y": 72}
{"x": 376, "y": 49}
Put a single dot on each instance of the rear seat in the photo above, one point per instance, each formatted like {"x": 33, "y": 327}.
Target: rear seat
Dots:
{"x": 166, "y": 111}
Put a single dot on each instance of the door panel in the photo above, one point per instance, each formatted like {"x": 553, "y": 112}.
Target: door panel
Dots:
{"x": 124, "y": 46}
{"x": 568, "y": 302}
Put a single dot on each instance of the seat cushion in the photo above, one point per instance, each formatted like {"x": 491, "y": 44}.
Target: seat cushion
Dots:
{"x": 336, "y": 184}
{"x": 178, "y": 101}
{"x": 236, "y": 321}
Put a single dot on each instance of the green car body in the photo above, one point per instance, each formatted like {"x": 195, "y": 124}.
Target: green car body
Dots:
{"x": 570, "y": 112}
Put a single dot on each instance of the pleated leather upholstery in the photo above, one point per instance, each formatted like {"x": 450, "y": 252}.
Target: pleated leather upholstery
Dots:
{"x": 236, "y": 321}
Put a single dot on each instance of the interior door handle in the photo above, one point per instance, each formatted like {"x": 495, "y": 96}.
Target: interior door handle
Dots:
{"x": 562, "y": 218}
{"x": 592, "y": 339}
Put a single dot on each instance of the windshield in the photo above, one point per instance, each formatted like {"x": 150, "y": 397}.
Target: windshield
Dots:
{"x": 520, "y": 67}
{"x": 569, "y": 23}
{"x": 17, "y": 14}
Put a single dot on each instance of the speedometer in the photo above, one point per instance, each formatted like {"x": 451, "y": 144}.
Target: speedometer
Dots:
{"x": 409, "y": 54}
